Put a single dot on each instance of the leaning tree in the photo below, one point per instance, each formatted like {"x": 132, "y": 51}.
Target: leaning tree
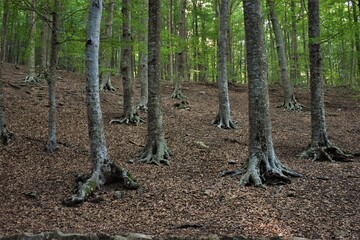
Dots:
{"x": 262, "y": 165}
{"x": 104, "y": 170}
{"x": 223, "y": 118}
{"x": 320, "y": 147}
{"x": 155, "y": 150}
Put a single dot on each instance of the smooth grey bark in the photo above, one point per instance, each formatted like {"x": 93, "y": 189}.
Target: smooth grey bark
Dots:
{"x": 6, "y": 136}
{"x": 320, "y": 147}
{"x": 155, "y": 150}
{"x": 31, "y": 75}
{"x": 294, "y": 63}
{"x": 103, "y": 170}
{"x": 181, "y": 55}
{"x": 43, "y": 50}
{"x": 4, "y": 31}
{"x": 143, "y": 58}
{"x": 51, "y": 142}
{"x": 105, "y": 75}
{"x": 130, "y": 115}
{"x": 290, "y": 102}
{"x": 262, "y": 166}
{"x": 357, "y": 39}
{"x": 223, "y": 118}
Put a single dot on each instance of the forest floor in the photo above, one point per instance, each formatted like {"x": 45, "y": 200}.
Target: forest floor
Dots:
{"x": 189, "y": 197}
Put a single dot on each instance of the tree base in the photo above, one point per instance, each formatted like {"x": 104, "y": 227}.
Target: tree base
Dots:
{"x": 224, "y": 122}
{"x": 142, "y": 107}
{"x": 260, "y": 171}
{"x": 177, "y": 94}
{"x": 155, "y": 152}
{"x": 51, "y": 147}
{"x": 292, "y": 105}
{"x": 6, "y": 136}
{"x": 107, "y": 87}
{"x": 132, "y": 118}
{"x": 31, "y": 79}
{"x": 330, "y": 153}
{"x": 86, "y": 187}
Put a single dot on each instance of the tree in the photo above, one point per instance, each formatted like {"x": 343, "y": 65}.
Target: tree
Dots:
{"x": 4, "y": 35}
{"x": 105, "y": 75}
{"x": 51, "y": 143}
{"x": 143, "y": 58}
{"x": 130, "y": 114}
{"x": 290, "y": 102}
{"x": 6, "y": 135}
{"x": 155, "y": 150}
{"x": 262, "y": 165}
{"x": 104, "y": 170}
{"x": 223, "y": 118}
{"x": 320, "y": 147}
{"x": 31, "y": 76}
{"x": 181, "y": 54}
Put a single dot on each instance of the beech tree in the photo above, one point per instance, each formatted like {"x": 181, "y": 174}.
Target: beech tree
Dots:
{"x": 320, "y": 147}
{"x": 223, "y": 118}
{"x": 262, "y": 165}
{"x": 155, "y": 150}
{"x": 290, "y": 102}
{"x": 4, "y": 31}
{"x": 104, "y": 170}
{"x": 130, "y": 114}
{"x": 5, "y": 134}
{"x": 31, "y": 75}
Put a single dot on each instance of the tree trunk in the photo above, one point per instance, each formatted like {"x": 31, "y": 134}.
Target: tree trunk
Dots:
{"x": 31, "y": 75}
{"x": 130, "y": 114}
{"x": 43, "y": 49}
{"x": 6, "y": 135}
{"x": 357, "y": 40}
{"x": 107, "y": 52}
{"x": 143, "y": 58}
{"x": 104, "y": 170}
{"x": 156, "y": 150}
{"x": 4, "y": 35}
{"x": 294, "y": 64}
{"x": 223, "y": 118}
{"x": 262, "y": 165}
{"x": 181, "y": 55}
{"x": 290, "y": 102}
{"x": 320, "y": 148}
{"x": 51, "y": 143}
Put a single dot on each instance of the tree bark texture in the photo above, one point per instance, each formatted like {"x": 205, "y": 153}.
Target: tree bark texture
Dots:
{"x": 6, "y": 136}
{"x": 223, "y": 118}
{"x": 103, "y": 170}
{"x": 31, "y": 75}
{"x": 290, "y": 102}
{"x": 143, "y": 66}
{"x": 4, "y": 35}
{"x": 43, "y": 49}
{"x": 51, "y": 142}
{"x": 181, "y": 55}
{"x": 262, "y": 165}
{"x": 107, "y": 52}
{"x": 320, "y": 148}
{"x": 155, "y": 150}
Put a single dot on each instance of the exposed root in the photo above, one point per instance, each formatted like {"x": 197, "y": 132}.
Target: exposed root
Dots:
{"x": 86, "y": 188}
{"x": 292, "y": 105}
{"x": 6, "y": 136}
{"x": 260, "y": 171}
{"x": 142, "y": 107}
{"x": 177, "y": 94}
{"x": 107, "y": 87}
{"x": 224, "y": 122}
{"x": 132, "y": 118}
{"x": 51, "y": 147}
{"x": 31, "y": 79}
{"x": 330, "y": 153}
{"x": 184, "y": 104}
{"x": 155, "y": 152}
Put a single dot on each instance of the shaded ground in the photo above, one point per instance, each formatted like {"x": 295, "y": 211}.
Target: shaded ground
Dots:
{"x": 188, "y": 198}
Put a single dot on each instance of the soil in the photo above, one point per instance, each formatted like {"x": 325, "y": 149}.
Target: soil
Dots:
{"x": 189, "y": 197}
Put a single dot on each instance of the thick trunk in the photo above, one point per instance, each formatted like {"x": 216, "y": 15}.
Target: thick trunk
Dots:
{"x": 223, "y": 119}
{"x": 181, "y": 55}
{"x": 31, "y": 75}
{"x": 51, "y": 143}
{"x": 290, "y": 102}
{"x": 357, "y": 40}
{"x": 107, "y": 52}
{"x": 103, "y": 170}
{"x": 143, "y": 58}
{"x": 155, "y": 151}
{"x": 262, "y": 165}
{"x": 320, "y": 148}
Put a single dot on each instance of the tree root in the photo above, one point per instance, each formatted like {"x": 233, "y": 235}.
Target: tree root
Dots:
{"x": 86, "y": 188}
{"x": 31, "y": 79}
{"x": 6, "y": 136}
{"x": 132, "y": 118}
{"x": 107, "y": 87}
{"x": 142, "y": 107}
{"x": 330, "y": 153}
{"x": 224, "y": 122}
{"x": 51, "y": 147}
{"x": 177, "y": 94}
{"x": 155, "y": 152}
{"x": 184, "y": 104}
{"x": 259, "y": 171}
{"x": 292, "y": 105}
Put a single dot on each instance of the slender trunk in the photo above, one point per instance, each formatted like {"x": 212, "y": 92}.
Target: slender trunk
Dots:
{"x": 43, "y": 49}
{"x": 31, "y": 75}
{"x": 5, "y": 135}
{"x": 51, "y": 143}
{"x": 294, "y": 68}
{"x": 357, "y": 40}
{"x": 305, "y": 49}
{"x": 4, "y": 35}
{"x": 143, "y": 58}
